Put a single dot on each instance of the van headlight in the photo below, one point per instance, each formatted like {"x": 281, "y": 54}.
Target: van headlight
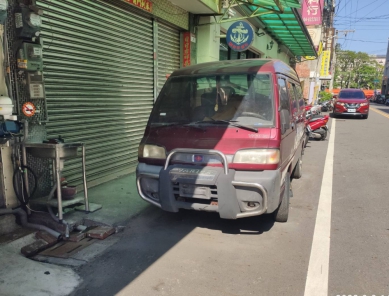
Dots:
{"x": 151, "y": 151}
{"x": 257, "y": 156}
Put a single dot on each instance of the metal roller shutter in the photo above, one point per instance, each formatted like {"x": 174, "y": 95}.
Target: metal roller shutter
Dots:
{"x": 98, "y": 68}
{"x": 168, "y": 52}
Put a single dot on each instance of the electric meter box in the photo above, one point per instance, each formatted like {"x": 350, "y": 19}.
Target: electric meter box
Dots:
{"x": 27, "y": 22}
{"x": 30, "y": 57}
{"x": 36, "y": 85}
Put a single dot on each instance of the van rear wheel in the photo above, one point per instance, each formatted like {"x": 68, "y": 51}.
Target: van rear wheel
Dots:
{"x": 298, "y": 170}
{"x": 282, "y": 213}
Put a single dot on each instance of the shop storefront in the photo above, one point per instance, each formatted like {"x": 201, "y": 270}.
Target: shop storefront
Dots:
{"x": 104, "y": 64}
{"x": 280, "y": 36}
{"x": 226, "y": 53}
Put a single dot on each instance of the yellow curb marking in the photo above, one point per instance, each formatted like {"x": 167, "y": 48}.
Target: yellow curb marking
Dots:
{"x": 380, "y": 112}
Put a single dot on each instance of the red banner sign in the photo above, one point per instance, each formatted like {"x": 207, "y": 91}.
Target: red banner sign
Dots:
{"x": 312, "y": 12}
{"x": 143, "y": 4}
{"x": 186, "y": 49}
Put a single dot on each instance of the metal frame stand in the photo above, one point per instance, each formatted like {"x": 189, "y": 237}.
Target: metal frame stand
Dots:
{"x": 59, "y": 156}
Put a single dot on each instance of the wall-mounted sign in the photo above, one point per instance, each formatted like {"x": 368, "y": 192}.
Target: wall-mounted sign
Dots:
{"x": 319, "y": 50}
{"x": 312, "y": 12}
{"x": 28, "y": 109}
{"x": 143, "y": 4}
{"x": 325, "y": 65}
{"x": 315, "y": 34}
{"x": 186, "y": 50}
{"x": 240, "y": 35}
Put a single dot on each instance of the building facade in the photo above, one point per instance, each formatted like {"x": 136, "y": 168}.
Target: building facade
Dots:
{"x": 385, "y": 80}
{"x": 316, "y": 73}
{"x": 105, "y": 62}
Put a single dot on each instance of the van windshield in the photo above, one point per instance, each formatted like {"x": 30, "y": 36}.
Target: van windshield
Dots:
{"x": 246, "y": 99}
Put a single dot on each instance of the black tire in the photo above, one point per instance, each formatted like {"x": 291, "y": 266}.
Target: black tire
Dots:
{"x": 282, "y": 212}
{"x": 333, "y": 115}
{"x": 298, "y": 170}
{"x": 365, "y": 116}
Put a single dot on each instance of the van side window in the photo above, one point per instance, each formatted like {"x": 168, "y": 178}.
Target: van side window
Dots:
{"x": 293, "y": 97}
{"x": 299, "y": 95}
{"x": 284, "y": 98}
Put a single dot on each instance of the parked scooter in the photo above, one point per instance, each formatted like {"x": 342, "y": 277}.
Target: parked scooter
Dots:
{"x": 317, "y": 127}
{"x": 326, "y": 106}
{"x": 329, "y": 105}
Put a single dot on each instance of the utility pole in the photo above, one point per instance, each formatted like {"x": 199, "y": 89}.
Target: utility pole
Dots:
{"x": 337, "y": 32}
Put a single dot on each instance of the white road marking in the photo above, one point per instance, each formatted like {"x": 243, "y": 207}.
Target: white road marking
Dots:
{"x": 317, "y": 277}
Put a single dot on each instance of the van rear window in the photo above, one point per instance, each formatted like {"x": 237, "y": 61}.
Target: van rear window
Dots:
{"x": 246, "y": 99}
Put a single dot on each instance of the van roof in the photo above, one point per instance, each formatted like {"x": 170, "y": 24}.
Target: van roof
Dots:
{"x": 238, "y": 66}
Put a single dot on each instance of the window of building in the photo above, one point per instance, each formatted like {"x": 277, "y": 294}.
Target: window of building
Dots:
{"x": 226, "y": 53}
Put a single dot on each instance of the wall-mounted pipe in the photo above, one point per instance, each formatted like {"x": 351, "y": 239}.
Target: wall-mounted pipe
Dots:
{"x": 23, "y": 220}
{"x": 53, "y": 216}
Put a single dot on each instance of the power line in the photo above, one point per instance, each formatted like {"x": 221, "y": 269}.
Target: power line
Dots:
{"x": 362, "y": 19}
{"x": 364, "y": 6}
{"x": 344, "y": 6}
{"x": 372, "y": 18}
{"x": 363, "y": 26}
{"x": 368, "y": 41}
{"x": 378, "y": 50}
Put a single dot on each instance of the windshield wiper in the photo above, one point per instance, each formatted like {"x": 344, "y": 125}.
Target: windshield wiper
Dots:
{"x": 170, "y": 124}
{"x": 230, "y": 122}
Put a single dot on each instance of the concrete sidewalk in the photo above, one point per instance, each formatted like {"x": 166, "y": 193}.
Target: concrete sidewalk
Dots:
{"x": 21, "y": 276}
{"x": 120, "y": 201}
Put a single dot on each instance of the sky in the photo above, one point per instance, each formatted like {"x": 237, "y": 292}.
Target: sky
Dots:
{"x": 369, "y": 19}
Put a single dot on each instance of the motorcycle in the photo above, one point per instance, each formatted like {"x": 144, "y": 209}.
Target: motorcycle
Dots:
{"x": 317, "y": 127}
{"x": 314, "y": 110}
{"x": 381, "y": 100}
{"x": 326, "y": 106}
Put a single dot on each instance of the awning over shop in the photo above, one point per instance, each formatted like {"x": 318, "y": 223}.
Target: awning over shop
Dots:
{"x": 288, "y": 28}
{"x": 281, "y": 21}
{"x": 284, "y": 3}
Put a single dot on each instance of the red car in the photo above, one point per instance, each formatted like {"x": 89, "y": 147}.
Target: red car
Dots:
{"x": 351, "y": 102}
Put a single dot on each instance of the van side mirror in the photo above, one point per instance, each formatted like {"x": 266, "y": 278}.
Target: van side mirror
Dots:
{"x": 285, "y": 120}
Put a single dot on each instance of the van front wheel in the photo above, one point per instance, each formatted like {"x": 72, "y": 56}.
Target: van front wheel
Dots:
{"x": 282, "y": 213}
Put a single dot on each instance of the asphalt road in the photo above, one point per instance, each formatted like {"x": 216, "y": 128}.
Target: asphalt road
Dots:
{"x": 194, "y": 253}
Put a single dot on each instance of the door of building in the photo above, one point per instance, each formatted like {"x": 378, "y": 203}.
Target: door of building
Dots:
{"x": 99, "y": 77}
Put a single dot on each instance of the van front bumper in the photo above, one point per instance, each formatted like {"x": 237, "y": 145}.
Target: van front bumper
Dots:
{"x": 233, "y": 194}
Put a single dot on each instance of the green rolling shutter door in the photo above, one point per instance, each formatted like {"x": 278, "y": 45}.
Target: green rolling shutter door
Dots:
{"x": 98, "y": 68}
{"x": 168, "y": 52}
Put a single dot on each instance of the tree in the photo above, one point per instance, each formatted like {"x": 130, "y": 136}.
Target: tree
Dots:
{"x": 356, "y": 70}
{"x": 325, "y": 96}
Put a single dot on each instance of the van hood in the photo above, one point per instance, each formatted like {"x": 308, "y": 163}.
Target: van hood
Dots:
{"x": 225, "y": 139}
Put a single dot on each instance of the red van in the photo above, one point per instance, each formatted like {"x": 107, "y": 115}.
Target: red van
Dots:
{"x": 225, "y": 137}
{"x": 351, "y": 102}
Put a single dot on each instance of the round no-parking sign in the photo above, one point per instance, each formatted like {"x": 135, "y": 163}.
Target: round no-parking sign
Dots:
{"x": 28, "y": 109}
